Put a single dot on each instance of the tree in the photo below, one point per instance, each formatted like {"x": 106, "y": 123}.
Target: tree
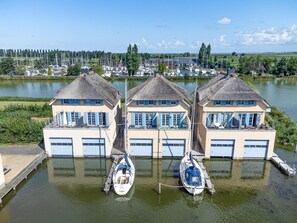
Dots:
{"x": 132, "y": 59}
{"x": 7, "y": 66}
{"x": 38, "y": 64}
{"x": 281, "y": 66}
{"x": 20, "y": 70}
{"x": 98, "y": 69}
{"x": 129, "y": 60}
{"x": 162, "y": 67}
{"x": 73, "y": 70}
{"x": 292, "y": 66}
{"x": 49, "y": 71}
{"x": 136, "y": 60}
{"x": 201, "y": 55}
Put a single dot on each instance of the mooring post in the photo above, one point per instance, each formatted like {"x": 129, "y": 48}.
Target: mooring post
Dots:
{"x": 160, "y": 185}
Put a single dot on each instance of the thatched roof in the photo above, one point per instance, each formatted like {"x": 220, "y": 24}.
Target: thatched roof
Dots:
{"x": 89, "y": 87}
{"x": 158, "y": 88}
{"x": 224, "y": 87}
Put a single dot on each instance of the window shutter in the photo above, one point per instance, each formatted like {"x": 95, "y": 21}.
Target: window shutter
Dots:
{"x": 137, "y": 102}
{"x": 146, "y": 102}
{"x": 86, "y": 117}
{"x": 214, "y": 103}
{"x": 258, "y": 119}
{"x": 154, "y": 119}
{"x": 143, "y": 119}
{"x": 107, "y": 119}
{"x": 155, "y": 102}
{"x": 160, "y": 119}
{"x": 182, "y": 117}
{"x": 247, "y": 118}
{"x": 96, "y": 118}
{"x": 176, "y": 102}
{"x": 133, "y": 119}
{"x": 62, "y": 101}
{"x": 69, "y": 118}
{"x": 170, "y": 119}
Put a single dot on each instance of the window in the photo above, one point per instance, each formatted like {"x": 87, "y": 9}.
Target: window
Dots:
{"x": 138, "y": 119}
{"x": 217, "y": 102}
{"x": 173, "y": 102}
{"x": 165, "y": 119}
{"x": 243, "y": 117}
{"x": 240, "y": 102}
{"x": 228, "y": 102}
{"x": 93, "y": 102}
{"x": 70, "y": 101}
{"x": 91, "y": 118}
{"x": 251, "y": 119}
{"x": 151, "y": 102}
{"x": 163, "y": 102}
{"x": 73, "y": 117}
{"x": 251, "y": 102}
{"x": 176, "y": 119}
{"x": 102, "y": 119}
{"x": 149, "y": 119}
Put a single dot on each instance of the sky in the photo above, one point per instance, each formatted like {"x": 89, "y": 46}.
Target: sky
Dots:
{"x": 156, "y": 26}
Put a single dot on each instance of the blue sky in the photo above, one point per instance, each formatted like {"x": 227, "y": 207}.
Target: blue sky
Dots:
{"x": 157, "y": 26}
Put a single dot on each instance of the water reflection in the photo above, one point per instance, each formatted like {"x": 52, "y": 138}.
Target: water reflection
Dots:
{"x": 247, "y": 173}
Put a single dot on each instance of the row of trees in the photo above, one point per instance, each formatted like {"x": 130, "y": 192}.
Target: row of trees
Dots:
{"x": 259, "y": 65}
{"x": 132, "y": 59}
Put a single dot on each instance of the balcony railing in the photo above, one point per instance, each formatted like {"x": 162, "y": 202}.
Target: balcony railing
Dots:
{"x": 72, "y": 125}
{"x": 250, "y": 128}
{"x": 178, "y": 127}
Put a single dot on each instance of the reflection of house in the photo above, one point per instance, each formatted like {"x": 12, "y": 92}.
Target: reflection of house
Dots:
{"x": 246, "y": 173}
{"x": 230, "y": 117}
{"x": 158, "y": 119}
{"x": 85, "y": 117}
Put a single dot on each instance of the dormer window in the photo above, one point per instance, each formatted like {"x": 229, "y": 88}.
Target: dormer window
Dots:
{"x": 70, "y": 101}
{"x": 93, "y": 102}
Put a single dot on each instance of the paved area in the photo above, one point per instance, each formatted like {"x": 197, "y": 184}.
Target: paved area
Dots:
{"x": 16, "y": 158}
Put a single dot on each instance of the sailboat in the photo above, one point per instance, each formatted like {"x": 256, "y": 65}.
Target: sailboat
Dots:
{"x": 123, "y": 176}
{"x": 124, "y": 173}
{"x": 191, "y": 175}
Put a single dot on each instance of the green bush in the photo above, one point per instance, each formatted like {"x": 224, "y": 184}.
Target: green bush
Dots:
{"x": 17, "y": 126}
{"x": 286, "y": 128}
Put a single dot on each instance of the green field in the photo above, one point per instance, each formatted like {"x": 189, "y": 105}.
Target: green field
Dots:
{"x": 4, "y": 104}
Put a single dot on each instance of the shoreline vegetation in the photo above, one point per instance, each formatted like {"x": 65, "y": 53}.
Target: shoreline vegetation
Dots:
{"x": 140, "y": 78}
{"x": 22, "y": 123}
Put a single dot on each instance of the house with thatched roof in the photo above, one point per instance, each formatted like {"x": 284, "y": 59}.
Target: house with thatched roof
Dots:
{"x": 86, "y": 114}
{"x": 230, "y": 120}
{"x": 158, "y": 119}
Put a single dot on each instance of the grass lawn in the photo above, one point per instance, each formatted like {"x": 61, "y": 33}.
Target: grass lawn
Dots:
{"x": 3, "y": 104}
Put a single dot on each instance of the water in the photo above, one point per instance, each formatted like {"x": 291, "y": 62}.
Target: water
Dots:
{"x": 71, "y": 191}
{"x": 281, "y": 92}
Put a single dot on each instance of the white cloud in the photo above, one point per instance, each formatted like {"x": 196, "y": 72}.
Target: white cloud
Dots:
{"x": 179, "y": 43}
{"x": 224, "y": 21}
{"x": 269, "y": 36}
{"x": 195, "y": 45}
{"x": 221, "y": 41}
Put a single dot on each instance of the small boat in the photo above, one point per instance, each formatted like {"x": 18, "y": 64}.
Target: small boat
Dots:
{"x": 191, "y": 175}
{"x": 123, "y": 176}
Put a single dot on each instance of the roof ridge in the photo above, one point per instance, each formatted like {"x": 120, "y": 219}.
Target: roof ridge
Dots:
{"x": 98, "y": 90}
{"x": 172, "y": 86}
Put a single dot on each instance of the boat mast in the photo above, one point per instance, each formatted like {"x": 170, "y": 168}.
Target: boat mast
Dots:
{"x": 193, "y": 116}
{"x": 126, "y": 118}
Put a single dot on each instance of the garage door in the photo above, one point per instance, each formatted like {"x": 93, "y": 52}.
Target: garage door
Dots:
{"x": 173, "y": 147}
{"x": 222, "y": 148}
{"x": 61, "y": 146}
{"x": 255, "y": 149}
{"x": 93, "y": 146}
{"x": 141, "y": 147}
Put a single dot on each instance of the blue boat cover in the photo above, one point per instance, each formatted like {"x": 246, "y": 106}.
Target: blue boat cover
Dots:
{"x": 127, "y": 161}
{"x": 193, "y": 176}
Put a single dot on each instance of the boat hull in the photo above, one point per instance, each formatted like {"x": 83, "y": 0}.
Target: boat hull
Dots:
{"x": 123, "y": 180}
{"x": 192, "y": 189}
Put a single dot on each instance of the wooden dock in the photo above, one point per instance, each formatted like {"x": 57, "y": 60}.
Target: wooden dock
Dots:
{"x": 208, "y": 183}
{"x": 21, "y": 176}
{"x": 108, "y": 182}
{"x": 283, "y": 166}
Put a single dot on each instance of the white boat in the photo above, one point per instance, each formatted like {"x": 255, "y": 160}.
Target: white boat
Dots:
{"x": 123, "y": 176}
{"x": 191, "y": 175}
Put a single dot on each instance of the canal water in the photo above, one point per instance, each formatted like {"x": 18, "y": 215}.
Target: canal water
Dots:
{"x": 279, "y": 92}
{"x": 71, "y": 190}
